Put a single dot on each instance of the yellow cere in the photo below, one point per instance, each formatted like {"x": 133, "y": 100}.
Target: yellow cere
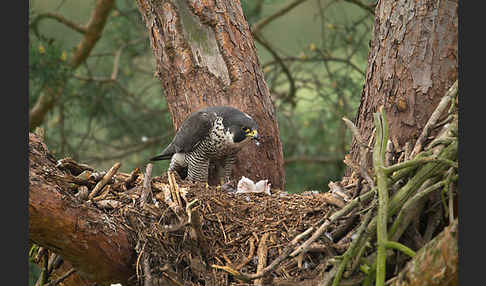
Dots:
{"x": 252, "y": 133}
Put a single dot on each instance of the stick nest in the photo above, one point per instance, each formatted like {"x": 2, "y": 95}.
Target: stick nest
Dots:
{"x": 185, "y": 245}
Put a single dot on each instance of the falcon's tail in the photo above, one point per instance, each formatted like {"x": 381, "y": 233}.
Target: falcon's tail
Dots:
{"x": 161, "y": 157}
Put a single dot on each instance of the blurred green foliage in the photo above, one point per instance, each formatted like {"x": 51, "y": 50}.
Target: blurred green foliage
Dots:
{"x": 113, "y": 109}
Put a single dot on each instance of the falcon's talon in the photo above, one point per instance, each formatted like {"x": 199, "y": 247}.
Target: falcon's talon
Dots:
{"x": 211, "y": 134}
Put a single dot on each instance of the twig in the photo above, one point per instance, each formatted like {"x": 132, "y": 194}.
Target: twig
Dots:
{"x": 44, "y": 275}
{"x": 174, "y": 189}
{"x": 137, "y": 264}
{"x": 434, "y": 118}
{"x": 362, "y": 151}
{"x": 168, "y": 273}
{"x": 351, "y": 205}
{"x": 74, "y": 167}
{"x": 108, "y": 204}
{"x": 412, "y": 203}
{"x": 418, "y": 161}
{"x": 147, "y": 281}
{"x": 355, "y": 132}
{"x": 133, "y": 176}
{"x": 59, "y": 18}
{"x": 451, "y": 202}
{"x": 262, "y": 257}
{"x": 403, "y": 172}
{"x": 189, "y": 208}
{"x": 265, "y": 21}
{"x": 173, "y": 205}
{"x": 410, "y": 210}
{"x": 286, "y": 71}
{"x": 360, "y": 4}
{"x": 62, "y": 278}
{"x": 424, "y": 173}
{"x": 106, "y": 178}
{"x": 352, "y": 248}
{"x": 284, "y": 255}
{"x": 250, "y": 254}
{"x": 434, "y": 219}
{"x": 105, "y": 191}
{"x": 116, "y": 64}
{"x": 222, "y": 228}
{"x": 146, "y": 187}
{"x": 337, "y": 190}
{"x": 54, "y": 262}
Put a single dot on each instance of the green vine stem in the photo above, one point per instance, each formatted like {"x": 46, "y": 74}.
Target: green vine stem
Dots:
{"x": 398, "y": 246}
{"x": 381, "y": 178}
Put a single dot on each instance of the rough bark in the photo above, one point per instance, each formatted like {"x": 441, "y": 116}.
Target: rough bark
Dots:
{"x": 206, "y": 56}
{"x": 96, "y": 246}
{"x": 411, "y": 64}
{"x": 436, "y": 263}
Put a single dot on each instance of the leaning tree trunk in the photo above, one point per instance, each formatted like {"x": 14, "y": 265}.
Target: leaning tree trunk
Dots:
{"x": 93, "y": 243}
{"x": 411, "y": 64}
{"x": 206, "y": 56}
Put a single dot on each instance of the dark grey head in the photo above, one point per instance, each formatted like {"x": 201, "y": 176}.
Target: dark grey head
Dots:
{"x": 238, "y": 123}
{"x": 242, "y": 128}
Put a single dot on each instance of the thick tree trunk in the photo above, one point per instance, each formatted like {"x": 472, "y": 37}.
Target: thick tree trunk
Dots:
{"x": 96, "y": 246}
{"x": 411, "y": 64}
{"x": 206, "y": 56}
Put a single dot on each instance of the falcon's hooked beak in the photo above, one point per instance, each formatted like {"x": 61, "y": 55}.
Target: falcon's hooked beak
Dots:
{"x": 254, "y": 135}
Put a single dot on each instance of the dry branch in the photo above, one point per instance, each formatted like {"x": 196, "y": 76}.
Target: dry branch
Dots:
{"x": 146, "y": 188}
{"x": 106, "y": 178}
{"x": 434, "y": 118}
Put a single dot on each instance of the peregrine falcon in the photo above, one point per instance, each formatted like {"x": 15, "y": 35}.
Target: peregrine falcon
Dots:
{"x": 212, "y": 135}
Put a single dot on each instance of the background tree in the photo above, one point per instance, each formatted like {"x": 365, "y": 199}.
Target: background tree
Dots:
{"x": 408, "y": 82}
{"x": 205, "y": 57}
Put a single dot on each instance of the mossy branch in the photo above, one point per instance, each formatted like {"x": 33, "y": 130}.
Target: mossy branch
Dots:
{"x": 400, "y": 247}
{"x": 381, "y": 178}
{"x": 412, "y": 203}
